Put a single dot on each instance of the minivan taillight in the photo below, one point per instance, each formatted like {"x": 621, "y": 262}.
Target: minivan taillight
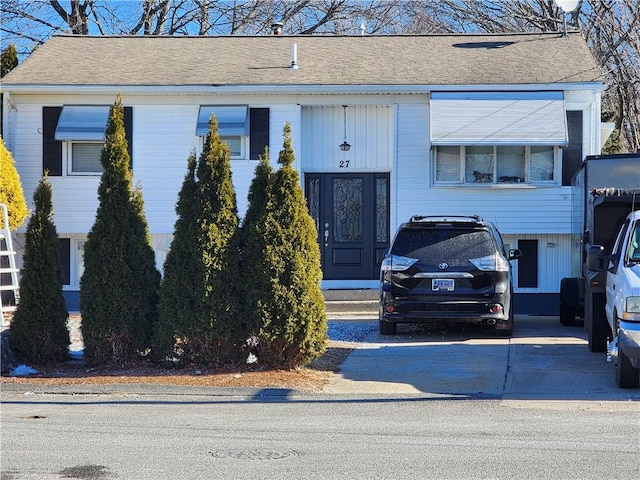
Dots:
{"x": 397, "y": 263}
{"x": 491, "y": 263}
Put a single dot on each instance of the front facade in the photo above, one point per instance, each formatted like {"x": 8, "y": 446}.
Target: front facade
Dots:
{"x": 452, "y": 125}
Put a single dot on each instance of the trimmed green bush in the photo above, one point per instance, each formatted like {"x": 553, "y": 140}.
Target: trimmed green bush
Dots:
{"x": 39, "y": 333}
{"x": 182, "y": 286}
{"x": 11, "y": 193}
{"x": 120, "y": 284}
{"x": 294, "y": 323}
{"x": 203, "y": 328}
{"x": 255, "y": 277}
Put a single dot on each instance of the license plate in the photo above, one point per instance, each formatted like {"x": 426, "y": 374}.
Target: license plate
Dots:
{"x": 442, "y": 284}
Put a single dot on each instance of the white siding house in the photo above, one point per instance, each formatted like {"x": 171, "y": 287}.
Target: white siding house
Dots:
{"x": 491, "y": 125}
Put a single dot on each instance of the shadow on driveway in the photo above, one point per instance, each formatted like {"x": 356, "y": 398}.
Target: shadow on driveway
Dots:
{"x": 543, "y": 360}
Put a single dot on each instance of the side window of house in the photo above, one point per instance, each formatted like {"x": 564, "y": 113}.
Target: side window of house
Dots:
{"x": 244, "y": 129}
{"x": 72, "y": 260}
{"x": 65, "y": 259}
{"x": 73, "y": 138}
{"x": 475, "y": 165}
{"x": 572, "y": 154}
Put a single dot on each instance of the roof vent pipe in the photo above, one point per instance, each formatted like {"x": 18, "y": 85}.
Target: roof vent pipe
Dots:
{"x": 276, "y": 28}
{"x": 294, "y": 57}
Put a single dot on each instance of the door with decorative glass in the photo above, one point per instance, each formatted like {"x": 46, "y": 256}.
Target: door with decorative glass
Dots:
{"x": 351, "y": 213}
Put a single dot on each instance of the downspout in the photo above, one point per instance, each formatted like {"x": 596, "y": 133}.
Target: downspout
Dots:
{"x": 597, "y": 112}
{"x": 8, "y": 121}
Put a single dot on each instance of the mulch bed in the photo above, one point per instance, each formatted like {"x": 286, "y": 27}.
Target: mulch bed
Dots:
{"x": 74, "y": 372}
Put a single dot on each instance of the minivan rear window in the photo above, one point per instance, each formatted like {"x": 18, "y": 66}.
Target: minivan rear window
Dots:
{"x": 439, "y": 244}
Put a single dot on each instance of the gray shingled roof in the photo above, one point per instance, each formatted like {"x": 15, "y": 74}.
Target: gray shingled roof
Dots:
{"x": 323, "y": 60}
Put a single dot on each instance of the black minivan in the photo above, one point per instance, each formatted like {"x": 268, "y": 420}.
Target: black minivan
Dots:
{"x": 449, "y": 268}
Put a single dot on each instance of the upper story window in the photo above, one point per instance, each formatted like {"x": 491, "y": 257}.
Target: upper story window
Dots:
{"x": 81, "y": 128}
{"x": 233, "y": 126}
{"x": 244, "y": 129}
{"x": 487, "y": 165}
{"x": 83, "y": 158}
{"x": 73, "y": 137}
{"x": 497, "y": 137}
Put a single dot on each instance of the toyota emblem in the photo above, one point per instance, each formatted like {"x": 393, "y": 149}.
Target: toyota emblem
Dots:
{"x": 443, "y": 266}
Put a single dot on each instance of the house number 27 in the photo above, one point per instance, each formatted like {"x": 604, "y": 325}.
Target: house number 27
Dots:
{"x": 344, "y": 163}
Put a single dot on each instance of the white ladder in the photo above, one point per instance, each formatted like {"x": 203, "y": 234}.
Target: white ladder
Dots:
{"x": 6, "y": 251}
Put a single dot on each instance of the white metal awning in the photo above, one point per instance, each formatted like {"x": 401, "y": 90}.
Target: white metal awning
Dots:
{"x": 498, "y": 118}
{"x": 232, "y": 120}
{"x": 82, "y": 122}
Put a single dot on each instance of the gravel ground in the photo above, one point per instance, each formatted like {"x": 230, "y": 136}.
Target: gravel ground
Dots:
{"x": 350, "y": 331}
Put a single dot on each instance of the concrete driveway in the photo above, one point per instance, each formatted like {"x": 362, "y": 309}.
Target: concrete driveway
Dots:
{"x": 543, "y": 360}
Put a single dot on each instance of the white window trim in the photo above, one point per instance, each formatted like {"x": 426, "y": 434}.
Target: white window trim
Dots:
{"x": 527, "y": 181}
{"x": 76, "y": 262}
{"x": 67, "y": 159}
{"x": 244, "y": 147}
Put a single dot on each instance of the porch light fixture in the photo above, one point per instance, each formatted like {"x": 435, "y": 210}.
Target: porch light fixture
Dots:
{"x": 344, "y": 146}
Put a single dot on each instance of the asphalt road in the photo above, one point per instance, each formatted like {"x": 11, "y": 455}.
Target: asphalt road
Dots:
{"x": 424, "y": 405}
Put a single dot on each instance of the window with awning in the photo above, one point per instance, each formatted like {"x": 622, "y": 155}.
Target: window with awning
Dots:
{"x": 498, "y": 118}
{"x": 82, "y": 129}
{"x": 232, "y": 120}
{"x": 82, "y": 123}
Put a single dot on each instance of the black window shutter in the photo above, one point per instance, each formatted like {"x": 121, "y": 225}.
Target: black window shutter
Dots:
{"x": 572, "y": 154}
{"x": 528, "y": 264}
{"x": 258, "y": 131}
{"x": 128, "y": 132}
{"x": 51, "y": 148}
{"x": 65, "y": 259}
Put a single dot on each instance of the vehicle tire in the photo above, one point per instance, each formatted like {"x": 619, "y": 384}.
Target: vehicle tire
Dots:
{"x": 567, "y": 316}
{"x": 598, "y": 337}
{"x": 598, "y": 334}
{"x": 507, "y": 332}
{"x": 569, "y": 299}
{"x": 386, "y": 328}
{"x": 627, "y": 376}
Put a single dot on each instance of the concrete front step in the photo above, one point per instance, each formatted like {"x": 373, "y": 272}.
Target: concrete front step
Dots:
{"x": 348, "y": 302}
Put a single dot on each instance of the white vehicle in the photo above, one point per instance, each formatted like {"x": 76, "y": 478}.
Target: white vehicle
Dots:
{"x": 622, "y": 307}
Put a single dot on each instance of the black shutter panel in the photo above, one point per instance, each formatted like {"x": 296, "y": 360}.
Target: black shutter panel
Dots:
{"x": 65, "y": 259}
{"x": 572, "y": 154}
{"x": 258, "y": 131}
{"x": 528, "y": 264}
{"x": 51, "y": 148}
{"x": 128, "y": 132}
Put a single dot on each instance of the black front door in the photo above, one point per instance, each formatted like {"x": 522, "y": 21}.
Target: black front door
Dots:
{"x": 351, "y": 212}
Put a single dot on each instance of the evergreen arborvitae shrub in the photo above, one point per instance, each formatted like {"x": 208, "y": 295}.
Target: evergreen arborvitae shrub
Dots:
{"x": 219, "y": 240}
{"x": 120, "y": 284}
{"x": 8, "y": 59}
{"x": 11, "y": 193}
{"x": 39, "y": 333}
{"x": 254, "y": 277}
{"x": 203, "y": 265}
{"x": 182, "y": 288}
{"x": 12, "y": 196}
{"x": 294, "y": 323}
